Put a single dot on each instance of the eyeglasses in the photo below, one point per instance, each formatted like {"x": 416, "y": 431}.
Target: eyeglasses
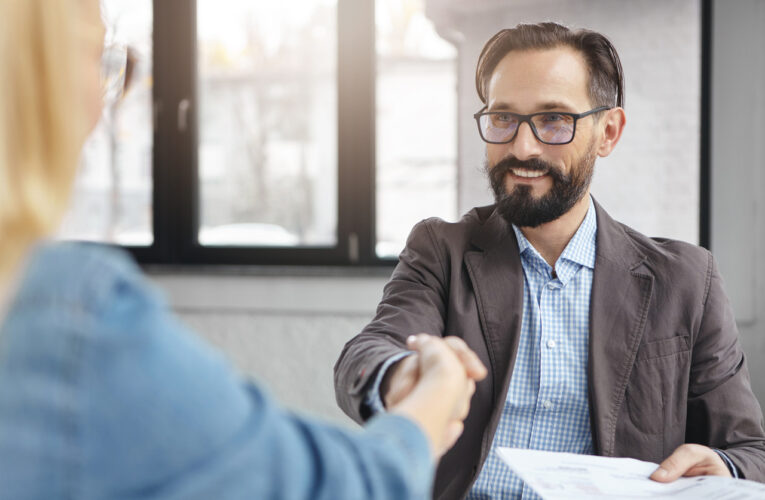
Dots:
{"x": 116, "y": 67}
{"x": 549, "y": 127}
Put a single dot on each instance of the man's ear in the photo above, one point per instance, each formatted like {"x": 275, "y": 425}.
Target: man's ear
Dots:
{"x": 612, "y": 127}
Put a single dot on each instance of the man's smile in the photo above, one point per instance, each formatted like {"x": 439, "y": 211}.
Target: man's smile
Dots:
{"x": 527, "y": 174}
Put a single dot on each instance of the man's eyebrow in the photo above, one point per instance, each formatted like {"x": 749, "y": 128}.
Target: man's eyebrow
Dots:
{"x": 499, "y": 106}
{"x": 554, "y": 105}
{"x": 546, "y": 106}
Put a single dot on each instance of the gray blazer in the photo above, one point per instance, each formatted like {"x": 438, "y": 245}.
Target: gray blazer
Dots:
{"x": 665, "y": 364}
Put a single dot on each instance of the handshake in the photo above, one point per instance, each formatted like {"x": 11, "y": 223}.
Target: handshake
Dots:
{"x": 433, "y": 387}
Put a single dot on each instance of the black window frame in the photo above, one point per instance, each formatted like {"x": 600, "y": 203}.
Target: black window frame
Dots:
{"x": 175, "y": 162}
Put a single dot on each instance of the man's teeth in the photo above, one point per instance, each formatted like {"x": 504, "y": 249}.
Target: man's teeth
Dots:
{"x": 522, "y": 172}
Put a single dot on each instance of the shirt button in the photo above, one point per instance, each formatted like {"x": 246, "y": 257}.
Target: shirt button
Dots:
{"x": 547, "y": 404}
{"x": 551, "y": 344}
{"x": 551, "y": 286}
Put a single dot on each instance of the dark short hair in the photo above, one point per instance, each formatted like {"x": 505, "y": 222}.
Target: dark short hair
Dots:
{"x": 606, "y": 85}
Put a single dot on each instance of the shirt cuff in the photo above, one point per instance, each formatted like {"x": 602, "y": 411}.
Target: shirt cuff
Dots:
{"x": 731, "y": 466}
{"x": 373, "y": 400}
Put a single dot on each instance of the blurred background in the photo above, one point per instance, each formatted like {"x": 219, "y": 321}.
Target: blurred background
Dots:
{"x": 269, "y": 158}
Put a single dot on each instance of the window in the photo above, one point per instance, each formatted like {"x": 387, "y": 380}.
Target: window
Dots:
{"x": 416, "y": 118}
{"x": 113, "y": 191}
{"x": 317, "y": 132}
{"x": 267, "y": 91}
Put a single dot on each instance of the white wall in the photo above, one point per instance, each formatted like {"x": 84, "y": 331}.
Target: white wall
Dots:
{"x": 738, "y": 169}
{"x": 284, "y": 331}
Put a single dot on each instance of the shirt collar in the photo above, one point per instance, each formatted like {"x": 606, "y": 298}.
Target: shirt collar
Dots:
{"x": 581, "y": 249}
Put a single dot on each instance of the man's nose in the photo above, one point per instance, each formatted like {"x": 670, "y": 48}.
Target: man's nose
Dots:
{"x": 525, "y": 145}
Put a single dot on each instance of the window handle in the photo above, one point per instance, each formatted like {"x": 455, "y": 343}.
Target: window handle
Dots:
{"x": 155, "y": 110}
{"x": 183, "y": 115}
{"x": 353, "y": 247}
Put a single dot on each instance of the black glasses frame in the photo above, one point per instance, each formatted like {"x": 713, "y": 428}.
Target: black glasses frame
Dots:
{"x": 527, "y": 119}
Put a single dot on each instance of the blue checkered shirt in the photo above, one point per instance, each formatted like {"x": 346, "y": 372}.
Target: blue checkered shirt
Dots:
{"x": 547, "y": 405}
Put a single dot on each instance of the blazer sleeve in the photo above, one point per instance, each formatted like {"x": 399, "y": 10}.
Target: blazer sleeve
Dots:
{"x": 164, "y": 414}
{"x": 414, "y": 301}
{"x": 722, "y": 410}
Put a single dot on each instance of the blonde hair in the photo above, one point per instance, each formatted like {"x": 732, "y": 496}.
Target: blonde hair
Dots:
{"x": 42, "y": 119}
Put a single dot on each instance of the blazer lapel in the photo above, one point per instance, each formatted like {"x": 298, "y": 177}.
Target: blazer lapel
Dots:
{"x": 495, "y": 271}
{"x": 621, "y": 293}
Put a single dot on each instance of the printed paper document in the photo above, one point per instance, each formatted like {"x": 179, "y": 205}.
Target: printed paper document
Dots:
{"x": 567, "y": 476}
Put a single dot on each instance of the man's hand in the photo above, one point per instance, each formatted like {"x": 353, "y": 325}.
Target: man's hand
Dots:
{"x": 691, "y": 460}
{"x": 440, "y": 397}
{"x": 402, "y": 376}
{"x": 399, "y": 380}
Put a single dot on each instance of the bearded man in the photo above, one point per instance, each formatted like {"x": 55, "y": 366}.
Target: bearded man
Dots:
{"x": 599, "y": 340}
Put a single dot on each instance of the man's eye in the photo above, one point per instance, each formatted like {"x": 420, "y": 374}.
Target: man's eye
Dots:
{"x": 503, "y": 120}
{"x": 553, "y": 117}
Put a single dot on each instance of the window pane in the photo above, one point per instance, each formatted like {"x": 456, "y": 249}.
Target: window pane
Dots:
{"x": 113, "y": 190}
{"x": 268, "y": 122}
{"x": 416, "y": 123}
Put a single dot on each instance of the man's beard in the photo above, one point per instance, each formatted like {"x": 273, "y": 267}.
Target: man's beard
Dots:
{"x": 523, "y": 209}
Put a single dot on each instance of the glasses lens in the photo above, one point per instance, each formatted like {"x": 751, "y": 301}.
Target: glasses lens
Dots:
{"x": 498, "y": 127}
{"x": 113, "y": 70}
{"x": 554, "y": 128}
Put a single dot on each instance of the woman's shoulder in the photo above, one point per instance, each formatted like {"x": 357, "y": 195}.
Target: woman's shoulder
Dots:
{"x": 92, "y": 359}
{"x": 78, "y": 294}
{"x": 86, "y": 274}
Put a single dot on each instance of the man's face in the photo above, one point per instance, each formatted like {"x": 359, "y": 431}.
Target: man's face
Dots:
{"x": 535, "y": 183}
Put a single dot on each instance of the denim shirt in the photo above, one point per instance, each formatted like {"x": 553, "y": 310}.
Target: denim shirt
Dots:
{"x": 104, "y": 394}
